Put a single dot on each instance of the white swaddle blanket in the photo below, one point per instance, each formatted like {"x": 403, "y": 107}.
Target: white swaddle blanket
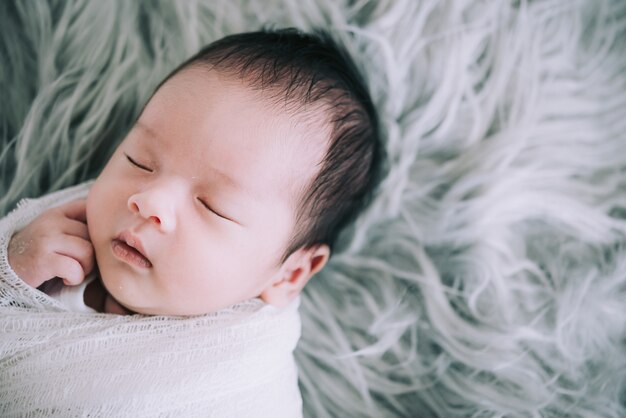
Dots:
{"x": 237, "y": 362}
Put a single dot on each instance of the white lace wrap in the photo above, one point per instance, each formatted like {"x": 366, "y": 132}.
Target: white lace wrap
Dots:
{"x": 237, "y": 362}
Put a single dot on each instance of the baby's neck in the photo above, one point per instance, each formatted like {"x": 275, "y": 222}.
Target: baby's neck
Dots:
{"x": 96, "y": 297}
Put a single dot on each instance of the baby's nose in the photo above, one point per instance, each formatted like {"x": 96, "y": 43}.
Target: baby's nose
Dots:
{"x": 134, "y": 206}
{"x": 154, "y": 206}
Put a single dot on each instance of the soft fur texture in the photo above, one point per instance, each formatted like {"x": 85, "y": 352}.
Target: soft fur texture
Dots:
{"x": 489, "y": 276}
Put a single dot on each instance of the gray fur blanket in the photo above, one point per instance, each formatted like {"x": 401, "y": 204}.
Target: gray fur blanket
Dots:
{"x": 488, "y": 278}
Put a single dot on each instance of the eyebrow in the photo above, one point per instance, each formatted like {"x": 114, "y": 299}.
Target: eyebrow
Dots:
{"x": 232, "y": 183}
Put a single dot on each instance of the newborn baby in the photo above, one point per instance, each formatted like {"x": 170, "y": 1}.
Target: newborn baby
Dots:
{"x": 224, "y": 199}
{"x": 233, "y": 184}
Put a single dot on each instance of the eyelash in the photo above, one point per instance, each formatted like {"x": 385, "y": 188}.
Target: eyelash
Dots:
{"x": 211, "y": 209}
{"x": 142, "y": 167}
{"x": 136, "y": 164}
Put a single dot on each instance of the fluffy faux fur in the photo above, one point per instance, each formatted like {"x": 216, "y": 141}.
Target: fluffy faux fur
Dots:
{"x": 489, "y": 276}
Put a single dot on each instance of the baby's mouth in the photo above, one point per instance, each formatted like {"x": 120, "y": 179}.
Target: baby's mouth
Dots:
{"x": 129, "y": 254}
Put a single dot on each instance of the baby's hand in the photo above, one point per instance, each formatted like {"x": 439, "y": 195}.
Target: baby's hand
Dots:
{"x": 55, "y": 244}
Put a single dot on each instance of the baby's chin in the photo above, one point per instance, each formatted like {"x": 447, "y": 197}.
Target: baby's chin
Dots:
{"x": 114, "y": 307}
{"x": 127, "y": 295}
{"x": 119, "y": 301}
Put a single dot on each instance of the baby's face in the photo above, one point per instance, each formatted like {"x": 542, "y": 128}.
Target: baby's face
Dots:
{"x": 206, "y": 184}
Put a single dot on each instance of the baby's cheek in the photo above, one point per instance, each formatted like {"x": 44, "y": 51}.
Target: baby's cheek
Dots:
{"x": 91, "y": 216}
{"x": 97, "y": 222}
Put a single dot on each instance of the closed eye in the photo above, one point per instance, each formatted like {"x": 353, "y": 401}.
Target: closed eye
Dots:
{"x": 136, "y": 164}
{"x": 213, "y": 210}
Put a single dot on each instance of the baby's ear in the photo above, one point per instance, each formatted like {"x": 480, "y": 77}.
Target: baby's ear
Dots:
{"x": 294, "y": 274}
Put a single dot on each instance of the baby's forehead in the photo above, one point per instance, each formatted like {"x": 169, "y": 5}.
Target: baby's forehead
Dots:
{"x": 215, "y": 115}
{"x": 279, "y": 101}
{"x": 301, "y": 125}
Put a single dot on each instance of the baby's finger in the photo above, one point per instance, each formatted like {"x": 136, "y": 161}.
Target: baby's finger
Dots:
{"x": 76, "y": 210}
{"x": 75, "y": 228}
{"x": 67, "y": 269}
{"x": 79, "y": 249}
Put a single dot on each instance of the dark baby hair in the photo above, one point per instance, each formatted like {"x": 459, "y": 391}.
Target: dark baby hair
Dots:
{"x": 311, "y": 70}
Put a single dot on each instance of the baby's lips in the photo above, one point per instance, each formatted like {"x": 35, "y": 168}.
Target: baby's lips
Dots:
{"x": 132, "y": 241}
